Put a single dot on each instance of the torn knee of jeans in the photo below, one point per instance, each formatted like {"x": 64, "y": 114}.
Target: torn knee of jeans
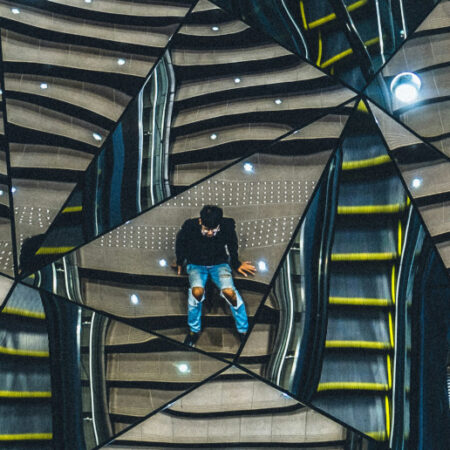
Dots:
{"x": 198, "y": 292}
{"x": 230, "y": 295}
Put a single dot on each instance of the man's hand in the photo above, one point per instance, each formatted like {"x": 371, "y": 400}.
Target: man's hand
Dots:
{"x": 246, "y": 268}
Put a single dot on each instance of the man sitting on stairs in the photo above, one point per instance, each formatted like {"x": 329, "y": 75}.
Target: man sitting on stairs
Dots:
{"x": 203, "y": 243}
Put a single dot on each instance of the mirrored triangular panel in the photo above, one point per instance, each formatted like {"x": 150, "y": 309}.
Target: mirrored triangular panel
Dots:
{"x": 127, "y": 272}
{"x": 236, "y": 410}
{"x": 107, "y": 375}
{"x": 417, "y": 78}
{"x": 350, "y": 39}
{"x": 25, "y": 380}
{"x": 340, "y": 328}
{"x": 215, "y": 96}
{"x": 426, "y": 174}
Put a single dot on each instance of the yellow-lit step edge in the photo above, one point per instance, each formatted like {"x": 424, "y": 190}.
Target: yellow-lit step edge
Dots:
{"x": 25, "y": 394}
{"x": 53, "y": 250}
{"x": 352, "y": 386}
{"x": 377, "y": 435}
{"x": 383, "y": 256}
{"x": 359, "y": 301}
{"x": 364, "y": 163}
{"x": 26, "y": 437}
{"x": 72, "y": 209}
{"x": 368, "y": 345}
{"x": 23, "y": 313}
{"x": 23, "y": 352}
{"x": 372, "y": 209}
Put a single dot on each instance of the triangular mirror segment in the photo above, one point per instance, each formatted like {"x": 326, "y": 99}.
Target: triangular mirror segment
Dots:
{"x": 340, "y": 329}
{"x": 235, "y": 409}
{"x": 127, "y": 272}
{"x": 417, "y": 81}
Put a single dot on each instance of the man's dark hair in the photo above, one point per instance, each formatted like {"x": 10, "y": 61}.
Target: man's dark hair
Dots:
{"x": 211, "y": 216}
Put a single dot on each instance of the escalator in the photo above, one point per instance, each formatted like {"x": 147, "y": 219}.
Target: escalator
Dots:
{"x": 356, "y": 379}
{"x": 25, "y": 391}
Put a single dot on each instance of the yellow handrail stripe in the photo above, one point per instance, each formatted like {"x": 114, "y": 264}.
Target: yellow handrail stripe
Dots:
{"x": 377, "y": 435}
{"x": 391, "y": 330}
{"x": 372, "y": 209}
{"x": 389, "y": 368}
{"x": 359, "y": 301}
{"x": 399, "y": 247}
{"x": 375, "y": 345}
{"x": 71, "y": 209}
{"x": 23, "y": 312}
{"x": 363, "y": 163}
{"x": 350, "y": 385}
{"x": 302, "y": 12}
{"x": 22, "y": 352}
{"x": 388, "y": 415}
{"x": 26, "y": 437}
{"x": 53, "y": 250}
{"x": 332, "y": 16}
{"x": 393, "y": 284}
{"x": 25, "y": 394}
{"x": 383, "y": 256}
{"x": 345, "y": 53}
{"x": 319, "y": 53}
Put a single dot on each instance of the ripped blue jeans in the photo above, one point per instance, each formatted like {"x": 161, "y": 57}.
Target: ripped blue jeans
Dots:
{"x": 221, "y": 276}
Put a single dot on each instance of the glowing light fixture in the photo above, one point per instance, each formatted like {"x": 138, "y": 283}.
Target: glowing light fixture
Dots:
{"x": 248, "y": 167}
{"x": 278, "y": 101}
{"x": 406, "y": 86}
{"x": 416, "y": 182}
{"x": 96, "y": 136}
{"x": 134, "y": 299}
{"x": 43, "y": 85}
{"x": 215, "y": 28}
{"x": 162, "y": 262}
{"x": 262, "y": 266}
{"x": 13, "y": 189}
{"x": 213, "y": 137}
{"x": 237, "y": 80}
{"x": 183, "y": 367}
{"x": 120, "y": 61}
{"x": 1, "y": 192}
{"x": 15, "y": 10}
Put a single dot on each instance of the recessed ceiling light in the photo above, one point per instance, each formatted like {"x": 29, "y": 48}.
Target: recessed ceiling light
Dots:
{"x": 262, "y": 266}
{"x": 15, "y": 10}
{"x": 134, "y": 299}
{"x": 87, "y": 1}
{"x": 120, "y": 61}
{"x": 406, "y": 86}
{"x": 416, "y": 182}
{"x": 1, "y": 192}
{"x": 13, "y": 189}
{"x": 1, "y": 92}
{"x": 213, "y": 136}
{"x": 237, "y": 80}
{"x": 96, "y": 136}
{"x": 162, "y": 262}
{"x": 248, "y": 167}
{"x": 183, "y": 367}
{"x": 215, "y": 28}
{"x": 43, "y": 85}
{"x": 278, "y": 101}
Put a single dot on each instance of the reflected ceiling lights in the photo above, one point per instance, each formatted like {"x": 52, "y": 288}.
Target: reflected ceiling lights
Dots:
{"x": 96, "y": 136}
{"x": 406, "y": 86}
{"x": 13, "y": 189}
{"x": 43, "y": 85}
{"x": 1, "y": 192}
{"x": 15, "y": 10}
{"x": 416, "y": 182}
{"x": 237, "y": 80}
{"x": 162, "y": 262}
{"x": 262, "y": 266}
{"x": 215, "y": 28}
{"x": 87, "y": 1}
{"x": 278, "y": 101}
{"x": 120, "y": 61}
{"x": 248, "y": 167}
{"x": 183, "y": 367}
{"x": 213, "y": 136}
{"x": 1, "y": 92}
{"x": 134, "y": 299}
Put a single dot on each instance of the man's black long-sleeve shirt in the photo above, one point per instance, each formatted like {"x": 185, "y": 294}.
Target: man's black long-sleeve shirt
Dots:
{"x": 193, "y": 247}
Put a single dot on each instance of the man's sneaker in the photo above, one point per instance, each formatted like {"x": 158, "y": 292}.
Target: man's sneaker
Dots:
{"x": 242, "y": 337}
{"x": 191, "y": 338}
